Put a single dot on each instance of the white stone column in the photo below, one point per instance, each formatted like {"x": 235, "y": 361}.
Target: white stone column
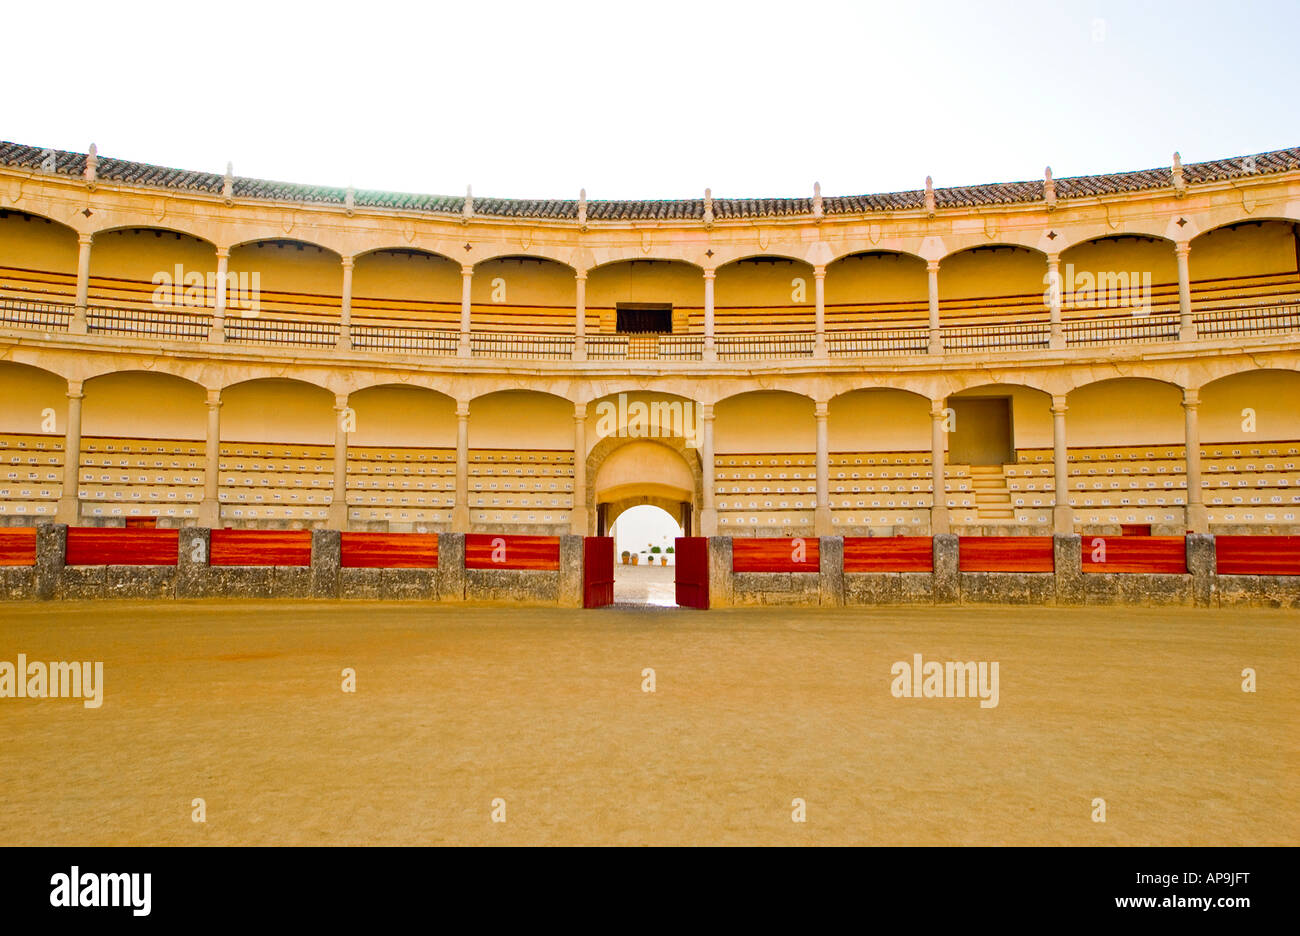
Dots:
{"x": 708, "y": 512}
{"x": 578, "y": 516}
{"x": 338, "y": 511}
{"x": 345, "y": 308}
{"x": 1186, "y": 326}
{"x": 78, "y": 324}
{"x": 1057, "y": 340}
{"x": 466, "y": 280}
{"x": 1198, "y": 520}
{"x": 68, "y": 510}
{"x": 822, "y": 512}
{"x": 710, "y": 347}
{"x": 210, "y": 509}
{"x": 938, "y": 449}
{"x": 218, "y": 332}
{"x": 580, "y": 310}
{"x": 819, "y": 314}
{"x": 936, "y": 335}
{"x": 460, "y": 512}
{"x": 1062, "y": 512}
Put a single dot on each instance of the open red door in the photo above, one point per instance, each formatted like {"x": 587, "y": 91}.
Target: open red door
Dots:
{"x": 597, "y": 571}
{"x": 691, "y": 553}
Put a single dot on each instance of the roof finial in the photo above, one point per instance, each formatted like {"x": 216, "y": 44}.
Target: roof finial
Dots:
{"x": 582, "y": 208}
{"x": 1049, "y": 189}
{"x": 708, "y": 208}
{"x": 228, "y": 184}
{"x": 92, "y": 165}
{"x": 818, "y": 211}
{"x": 929, "y": 196}
{"x": 1180, "y": 187}
{"x": 468, "y": 211}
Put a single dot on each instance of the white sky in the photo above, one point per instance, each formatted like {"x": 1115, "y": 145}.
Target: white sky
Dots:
{"x": 655, "y": 99}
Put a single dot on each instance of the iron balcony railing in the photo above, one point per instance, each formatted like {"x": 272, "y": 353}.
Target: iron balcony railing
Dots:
{"x": 1130, "y": 329}
{"x": 18, "y": 313}
{"x": 192, "y": 326}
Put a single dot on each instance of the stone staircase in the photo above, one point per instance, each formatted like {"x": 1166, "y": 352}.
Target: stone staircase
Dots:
{"x": 992, "y": 499}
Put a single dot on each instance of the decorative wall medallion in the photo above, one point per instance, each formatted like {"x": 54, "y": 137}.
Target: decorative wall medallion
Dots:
{"x": 873, "y": 232}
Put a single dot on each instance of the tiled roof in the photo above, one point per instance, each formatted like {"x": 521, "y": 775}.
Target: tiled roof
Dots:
{"x": 962, "y": 196}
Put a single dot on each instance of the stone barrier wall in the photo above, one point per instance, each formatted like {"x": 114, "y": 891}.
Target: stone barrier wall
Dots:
{"x": 946, "y": 584}
{"x": 825, "y": 584}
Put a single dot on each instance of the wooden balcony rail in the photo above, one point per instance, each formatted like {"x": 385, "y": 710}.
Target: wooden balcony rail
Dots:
{"x": 189, "y": 326}
{"x": 20, "y": 313}
{"x": 1126, "y": 329}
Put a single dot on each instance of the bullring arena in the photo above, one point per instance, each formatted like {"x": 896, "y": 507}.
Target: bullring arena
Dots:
{"x": 294, "y": 430}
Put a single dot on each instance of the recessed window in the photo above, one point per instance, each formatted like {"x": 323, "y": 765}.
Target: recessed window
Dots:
{"x": 644, "y": 318}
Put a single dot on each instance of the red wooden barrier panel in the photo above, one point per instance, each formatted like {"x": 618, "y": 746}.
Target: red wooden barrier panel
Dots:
{"x": 597, "y": 571}
{"x": 17, "y": 546}
{"x": 260, "y": 548}
{"x": 502, "y": 551}
{"x": 776, "y": 554}
{"x": 888, "y": 554}
{"x": 389, "y": 550}
{"x": 1258, "y": 555}
{"x": 691, "y": 571}
{"x": 1005, "y": 554}
{"x": 94, "y": 546}
{"x": 1149, "y": 554}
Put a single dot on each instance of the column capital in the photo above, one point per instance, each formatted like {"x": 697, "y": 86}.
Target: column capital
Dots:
{"x": 580, "y": 276}
{"x": 462, "y": 409}
{"x": 819, "y": 271}
{"x": 1182, "y": 248}
{"x": 579, "y": 411}
{"x": 821, "y": 408}
{"x": 74, "y": 390}
{"x": 340, "y": 401}
{"x": 1191, "y": 398}
{"x": 467, "y": 269}
{"x": 223, "y": 253}
{"x": 710, "y": 274}
{"x": 1054, "y": 259}
{"x": 348, "y": 262}
{"x": 705, "y": 410}
{"x": 1058, "y": 404}
{"x": 932, "y": 266}
{"x": 937, "y": 408}
{"x": 214, "y": 398}
{"x": 85, "y": 240}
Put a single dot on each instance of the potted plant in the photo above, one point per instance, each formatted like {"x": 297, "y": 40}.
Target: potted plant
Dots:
{"x": 635, "y": 557}
{"x": 654, "y": 551}
{"x": 626, "y": 556}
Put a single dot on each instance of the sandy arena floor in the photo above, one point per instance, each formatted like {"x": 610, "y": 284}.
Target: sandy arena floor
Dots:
{"x": 240, "y": 704}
